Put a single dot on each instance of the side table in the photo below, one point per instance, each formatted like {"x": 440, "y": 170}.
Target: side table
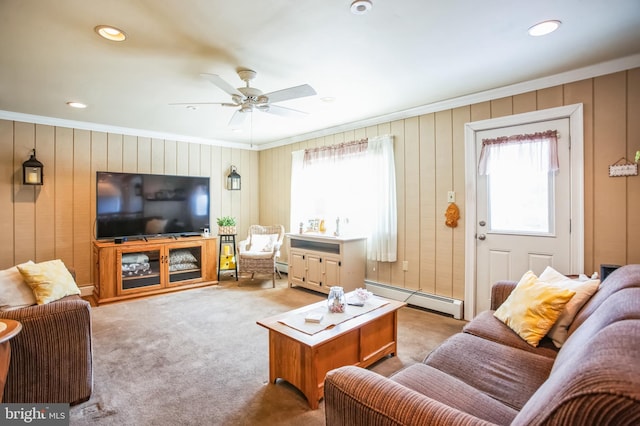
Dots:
{"x": 227, "y": 240}
{"x": 8, "y": 330}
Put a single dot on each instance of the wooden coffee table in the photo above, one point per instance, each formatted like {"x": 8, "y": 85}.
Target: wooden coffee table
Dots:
{"x": 303, "y": 360}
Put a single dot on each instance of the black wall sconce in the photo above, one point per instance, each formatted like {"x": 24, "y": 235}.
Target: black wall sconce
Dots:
{"x": 233, "y": 180}
{"x": 32, "y": 171}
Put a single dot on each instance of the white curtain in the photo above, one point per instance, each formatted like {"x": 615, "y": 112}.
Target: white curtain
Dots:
{"x": 352, "y": 186}
{"x": 383, "y": 237}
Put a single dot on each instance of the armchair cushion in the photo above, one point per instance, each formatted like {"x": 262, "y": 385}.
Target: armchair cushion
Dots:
{"x": 256, "y": 255}
{"x": 14, "y": 291}
{"x": 263, "y": 243}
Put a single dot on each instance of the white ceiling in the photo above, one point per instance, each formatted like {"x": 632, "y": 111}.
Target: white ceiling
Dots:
{"x": 399, "y": 56}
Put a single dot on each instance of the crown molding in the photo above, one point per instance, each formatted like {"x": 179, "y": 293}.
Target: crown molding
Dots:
{"x": 96, "y": 127}
{"x": 584, "y": 73}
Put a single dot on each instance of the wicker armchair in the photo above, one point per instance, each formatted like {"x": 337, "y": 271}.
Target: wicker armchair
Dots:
{"x": 260, "y": 251}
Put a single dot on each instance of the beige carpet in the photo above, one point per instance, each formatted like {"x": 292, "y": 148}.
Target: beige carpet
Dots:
{"x": 198, "y": 357}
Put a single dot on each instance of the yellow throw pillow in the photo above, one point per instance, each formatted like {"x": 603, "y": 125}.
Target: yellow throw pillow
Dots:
{"x": 49, "y": 280}
{"x": 533, "y": 307}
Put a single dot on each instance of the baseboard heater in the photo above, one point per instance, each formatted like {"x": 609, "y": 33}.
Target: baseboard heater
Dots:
{"x": 283, "y": 267}
{"x": 417, "y": 298}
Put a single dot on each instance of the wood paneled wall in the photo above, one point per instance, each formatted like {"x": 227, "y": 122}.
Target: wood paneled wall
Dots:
{"x": 429, "y": 155}
{"x": 56, "y": 220}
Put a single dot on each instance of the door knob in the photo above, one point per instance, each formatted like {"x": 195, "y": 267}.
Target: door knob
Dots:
{"x": 482, "y": 237}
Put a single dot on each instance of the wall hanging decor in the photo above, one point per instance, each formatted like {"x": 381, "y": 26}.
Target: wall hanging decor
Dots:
{"x": 623, "y": 167}
{"x": 32, "y": 171}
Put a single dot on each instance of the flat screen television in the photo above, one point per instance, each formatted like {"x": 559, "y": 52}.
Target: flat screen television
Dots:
{"x": 144, "y": 205}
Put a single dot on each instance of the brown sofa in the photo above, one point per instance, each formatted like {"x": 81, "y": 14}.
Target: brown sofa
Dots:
{"x": 51, "y": 358}
{"x": 488, "y": 375}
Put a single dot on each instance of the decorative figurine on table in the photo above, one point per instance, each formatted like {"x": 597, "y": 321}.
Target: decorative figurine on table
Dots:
{"x": 337, "y": 301}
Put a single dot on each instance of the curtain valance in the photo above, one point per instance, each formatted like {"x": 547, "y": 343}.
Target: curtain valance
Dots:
{"x": 540, "y": 148}
{"x": 334, "y": 152}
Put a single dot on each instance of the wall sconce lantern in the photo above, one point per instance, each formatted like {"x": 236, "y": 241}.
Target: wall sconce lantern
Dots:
{"x": 32, "y": 171}
{"x": 233, "y": 180}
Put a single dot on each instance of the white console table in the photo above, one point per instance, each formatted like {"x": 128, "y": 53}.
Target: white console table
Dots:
{"x": 318, "y": 262}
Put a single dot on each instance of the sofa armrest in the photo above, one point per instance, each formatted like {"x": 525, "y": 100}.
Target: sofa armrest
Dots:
{"x": 356, "y": 396}
{"x": 51, "y": 358}
{"x": 500, "y": 291}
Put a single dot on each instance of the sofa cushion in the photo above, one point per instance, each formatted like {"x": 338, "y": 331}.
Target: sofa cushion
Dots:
{"x": 507, "y": 374}
{"x": 356, "y": 396}
{"x": 454, "y": 393}
{"x": 601, "y": 385}
{"x": 14, "y": 291}
{"x": 487, "y": 326}
{"x": 533, "y": 307}
{"x": 50, "y": 280}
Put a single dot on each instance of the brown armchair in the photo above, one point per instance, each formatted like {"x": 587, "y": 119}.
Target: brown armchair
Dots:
{"x": 51, "y": 358}
{"x": 259, "y": 252}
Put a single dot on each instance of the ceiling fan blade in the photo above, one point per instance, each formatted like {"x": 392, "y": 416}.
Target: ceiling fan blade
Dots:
{"x": 291, "y": 93}
{"x": 238, "y": 118}
{"x": 282, "y": 111}
{"x": 203, "y": 103}
{"x": 218, "y": 81}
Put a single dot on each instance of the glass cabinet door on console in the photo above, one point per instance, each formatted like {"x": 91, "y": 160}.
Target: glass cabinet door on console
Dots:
{"x": 185, "y": 263}
{"x": 140, "y": 269}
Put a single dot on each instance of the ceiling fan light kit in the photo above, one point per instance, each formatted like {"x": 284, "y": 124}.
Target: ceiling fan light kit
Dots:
{"x": 360, "y": 7}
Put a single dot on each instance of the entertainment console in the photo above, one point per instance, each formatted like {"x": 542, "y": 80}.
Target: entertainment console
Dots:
{"x": 139, "y": 268}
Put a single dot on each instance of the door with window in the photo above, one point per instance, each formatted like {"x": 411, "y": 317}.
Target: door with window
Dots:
{"x": 523, "y": 209}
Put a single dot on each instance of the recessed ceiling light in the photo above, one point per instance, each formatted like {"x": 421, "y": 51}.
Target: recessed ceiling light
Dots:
{"x": 328, "y": 99}
{"x": 360, "y": 7}
{"x": 79, "y": 105}
{"x": 544, "y": 28}
{"x": 110, "y": 33}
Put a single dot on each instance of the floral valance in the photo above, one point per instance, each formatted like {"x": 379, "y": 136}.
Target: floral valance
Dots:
{"x": 341, "y": 150}
{"x": 540, "y": 149}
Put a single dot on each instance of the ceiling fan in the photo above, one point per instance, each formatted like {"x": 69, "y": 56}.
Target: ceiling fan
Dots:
{"x": 247, "y": 99}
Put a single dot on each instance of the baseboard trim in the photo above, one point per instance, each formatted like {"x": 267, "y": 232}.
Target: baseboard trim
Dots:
{"x": 86, "y": 290}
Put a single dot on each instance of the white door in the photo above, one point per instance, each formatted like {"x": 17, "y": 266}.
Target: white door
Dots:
{"x": 523, "y": 219}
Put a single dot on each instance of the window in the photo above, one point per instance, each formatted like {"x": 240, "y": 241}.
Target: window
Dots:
{"x": 352, "y": 189}
{"x": 520, "y": 182}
